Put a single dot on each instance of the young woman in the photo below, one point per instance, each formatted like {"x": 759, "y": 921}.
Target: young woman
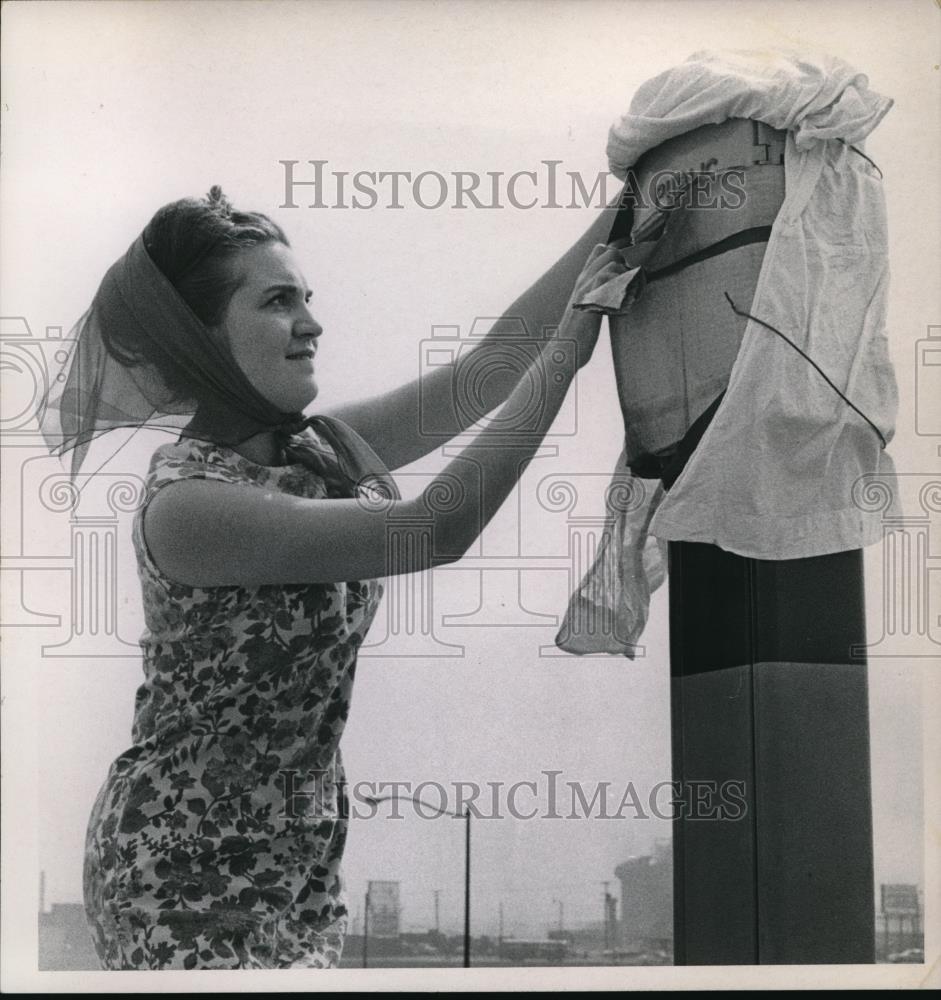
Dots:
{"x": 260, "y": 543}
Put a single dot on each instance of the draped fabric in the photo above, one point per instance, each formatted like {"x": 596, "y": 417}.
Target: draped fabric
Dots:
{"x": 776, "y": 473}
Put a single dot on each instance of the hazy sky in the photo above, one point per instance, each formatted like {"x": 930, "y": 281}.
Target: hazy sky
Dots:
{"x": 110, "y": 110}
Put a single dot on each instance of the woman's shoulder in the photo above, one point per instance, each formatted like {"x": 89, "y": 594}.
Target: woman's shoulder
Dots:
{"x": 189, "y": 458}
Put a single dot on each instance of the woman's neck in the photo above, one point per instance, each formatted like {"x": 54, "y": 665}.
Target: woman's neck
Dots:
{"x": 262, "y": 448}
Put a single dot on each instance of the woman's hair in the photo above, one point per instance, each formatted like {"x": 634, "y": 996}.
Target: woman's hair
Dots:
{"x": 193, "y": 242}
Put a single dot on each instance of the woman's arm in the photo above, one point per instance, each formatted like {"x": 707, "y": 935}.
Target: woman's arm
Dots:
{"x": 392, "y": 423}
{"x": 205, "y": 533}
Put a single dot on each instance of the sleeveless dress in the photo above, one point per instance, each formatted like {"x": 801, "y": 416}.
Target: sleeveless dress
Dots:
{"x": 216, "y": 839}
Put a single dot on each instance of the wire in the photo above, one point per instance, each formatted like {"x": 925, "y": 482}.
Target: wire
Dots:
{"x": 863, "y": 155}
{"x": 787, "y": 340}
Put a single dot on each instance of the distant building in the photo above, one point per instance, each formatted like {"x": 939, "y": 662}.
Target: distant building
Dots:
{"x": 65, "y": 943}
{"x": 382, "y": 930}
{"x": 384, "y": 909}
{"x": 647, "y": 900}
{"x": 899, "y": 927}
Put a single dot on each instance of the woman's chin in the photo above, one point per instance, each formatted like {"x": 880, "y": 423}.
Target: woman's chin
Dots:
{"x": 299, "y": 401}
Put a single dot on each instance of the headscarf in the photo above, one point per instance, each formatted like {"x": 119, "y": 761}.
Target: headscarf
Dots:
{"x": 97, "y": 391}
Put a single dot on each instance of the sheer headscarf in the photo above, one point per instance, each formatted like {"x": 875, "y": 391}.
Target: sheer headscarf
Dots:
{"x": 100, "y": 390}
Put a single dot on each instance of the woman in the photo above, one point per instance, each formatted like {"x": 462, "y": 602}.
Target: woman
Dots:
{"x": 259, "y": 545}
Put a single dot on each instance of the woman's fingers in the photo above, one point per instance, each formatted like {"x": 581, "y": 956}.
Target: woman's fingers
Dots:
{"x": 606, "y": 254}
{"x": 597, "y": 258}
{"x": 608, "y": 272}
{"x": 596, "y": 251}
{"x": 601, "y": 255}
{"x": 603, "y": 252}
{"x": 603, "y": 263}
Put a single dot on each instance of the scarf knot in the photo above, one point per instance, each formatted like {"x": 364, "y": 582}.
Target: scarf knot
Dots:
{"x": 292, "y": 424}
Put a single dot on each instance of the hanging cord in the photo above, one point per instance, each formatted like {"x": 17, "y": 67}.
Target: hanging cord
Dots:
{"x": 787, "y": 340}
{"x": 863, "y": 155}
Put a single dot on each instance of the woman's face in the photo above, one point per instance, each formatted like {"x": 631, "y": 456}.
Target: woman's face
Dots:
{"x": 269, "y": 329}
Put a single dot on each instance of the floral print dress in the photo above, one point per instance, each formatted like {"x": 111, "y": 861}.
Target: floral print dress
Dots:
{"x": 216, "y": 839}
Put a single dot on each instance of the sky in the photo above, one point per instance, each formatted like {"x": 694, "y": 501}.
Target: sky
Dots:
{"x": 112, "y": 109}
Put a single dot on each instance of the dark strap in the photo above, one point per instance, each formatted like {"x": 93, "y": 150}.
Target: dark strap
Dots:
{"x": 688, "y": 445}
{"x": 745, "y": 237}
{"x": 648, "y": 466}
{"x": 667, "y": 468}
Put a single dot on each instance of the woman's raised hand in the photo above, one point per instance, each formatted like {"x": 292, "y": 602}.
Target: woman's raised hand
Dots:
{"x": 582, "y": 325}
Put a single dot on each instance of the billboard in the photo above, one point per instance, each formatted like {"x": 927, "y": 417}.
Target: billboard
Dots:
{"x": 900, "y": 899}
{"x": 382, "y": 900}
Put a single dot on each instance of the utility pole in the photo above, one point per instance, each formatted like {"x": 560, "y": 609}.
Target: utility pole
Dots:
{"x": 607, "y": 933}
{"x": 437, "y": 893}
{"x": 611, "y": 903}
{"x": 467, "y": 886}
{"x": 501, "y": 922}
{"x": 561, "y": 915}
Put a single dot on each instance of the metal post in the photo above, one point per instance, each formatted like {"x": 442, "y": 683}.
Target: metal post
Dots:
{"x": 773, "y": 829}
{"x": 366, "y": 930}
{"x": 467, "y": 886}
{"x": 610, "y": 923}
{"x": 885, "y": 922}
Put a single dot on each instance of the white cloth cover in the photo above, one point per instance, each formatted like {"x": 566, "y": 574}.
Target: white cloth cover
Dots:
{"x": 773, "y": 475}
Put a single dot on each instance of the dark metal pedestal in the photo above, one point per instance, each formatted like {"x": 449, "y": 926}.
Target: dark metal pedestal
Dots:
{"x": 770, "y": 710}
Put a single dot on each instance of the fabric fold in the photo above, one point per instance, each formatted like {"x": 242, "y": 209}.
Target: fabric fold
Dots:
{"x": 614, "y": 297}
{"x": 608, "y": 611}
{"x": 818, "y": 98}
